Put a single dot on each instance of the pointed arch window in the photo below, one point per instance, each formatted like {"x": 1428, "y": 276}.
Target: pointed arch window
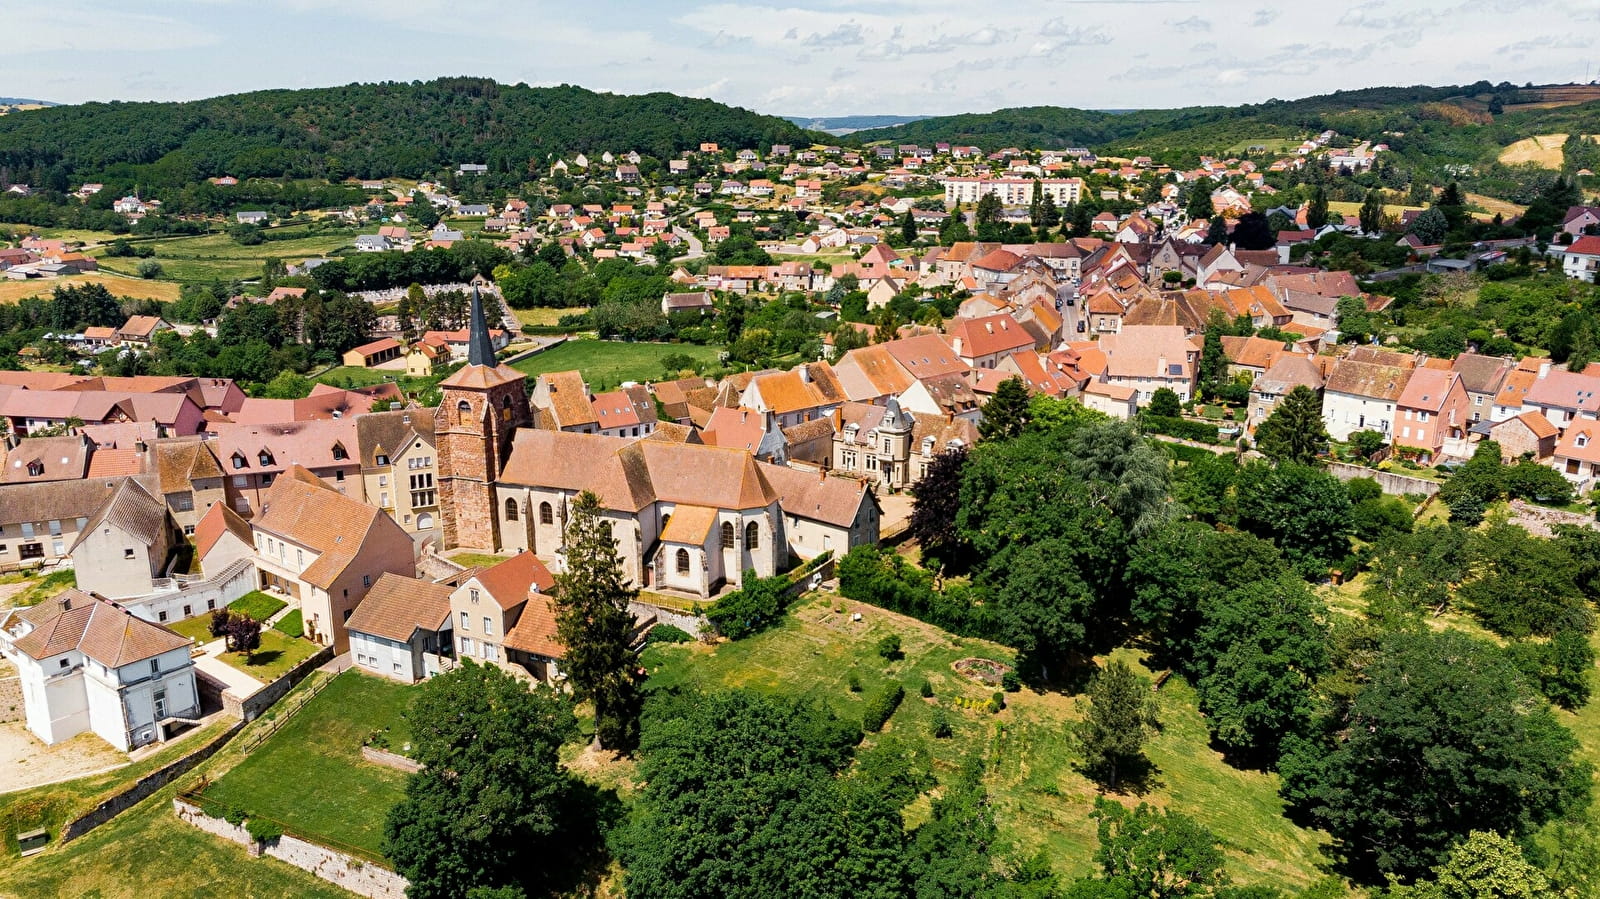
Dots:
{"x": 511, "y": 510}
{"x": 683, "y": 561}
{"x": 752, "y": 536}
{"x": 727, "y": 535}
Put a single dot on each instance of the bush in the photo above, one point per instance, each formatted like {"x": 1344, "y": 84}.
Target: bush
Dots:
{"x": 886, "y": 580}
{"x": 261, "y": 830}
{"x": 753, "y": 608}
{"x": 889, "y": 648}
{"x": 926, "y": 689}
{"x": 997, "y": 702}
{"x": 1010, "y": 682}
{"x": 854, "y": 682}
{"x": 881, "y": 707}
{"x": 1182, "y": 428}
{"x": 149, "y": 269}
{"x": 941, "y": 724}
{"x": 666, "y": 633}
{"x": 232, "y": 814}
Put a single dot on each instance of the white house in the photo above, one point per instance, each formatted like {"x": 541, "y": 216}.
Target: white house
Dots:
{"x": 1581, "y": 261}
{"x": 402, "y": 628}
{"x": 88, "y": 664}
{"x": 1361, "y": 396}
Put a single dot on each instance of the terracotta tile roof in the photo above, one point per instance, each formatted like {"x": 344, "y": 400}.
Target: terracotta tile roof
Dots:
{"x": 509, "y": 583}
{"x": 689, "y": 524}
{"x": 1581, "y": 441}
{"x": 482, "y": 377}
{"x": 535, "y": 630}
{"x": 1536, "y": 423}
{"x": 397, "y": 607}
{"x": 140, "y": 325}
{"x": 740, "y": 428}
{"x": 219, "y": 520}
{"x": 1368, "y": 379}
{"x": 181, "y": 462}
{"x": 1142, "y": 351}
{"x": 111, "y": 463}
{"x": 1289, "y": 371}
{"x": 101, "y": 630}
{"x": 990, "y": 334}
{"x": 308, "y": 443}
{"x": 1428, "y": 389}
{"x": 389, "y": 433}
{"x": 54, "y": 501}
{"x": 1566, "y": 390}
{"x": 569, "y": 398}
{"x": 831, "y": 500}
{"x": 1252, "y": 352}
{"x": 628, "y": 475}
{"x": 302, "y": 509}
{"x": 1482, "y": 374}
{"x": 56, "y": 458}
{"x": 998, "y": 261}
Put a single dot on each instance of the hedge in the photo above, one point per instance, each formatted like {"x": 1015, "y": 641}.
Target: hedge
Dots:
{"x": 1179, "y": 427}
{"x": 886, "y": 580}
{"x": 880, "y": 707}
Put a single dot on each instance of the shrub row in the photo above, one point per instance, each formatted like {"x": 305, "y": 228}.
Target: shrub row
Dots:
{"x": 1179, "y": 427}
{"x": 886, "y": 580}
{"x": 880, "y": 707}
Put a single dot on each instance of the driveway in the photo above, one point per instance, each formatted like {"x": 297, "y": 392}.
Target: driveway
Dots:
{"x": 696, "y": 248}
{"x": 237, "y": 682}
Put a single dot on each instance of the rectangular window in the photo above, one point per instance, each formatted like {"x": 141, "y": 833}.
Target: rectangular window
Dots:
{"x": 155, "y": 666}
{"x": 127, "y": 553}
{"x": 366, "y": 580}
{"x": 240, "y": 480}
{"x": 338, "y": 475}
{"x": 27, "y": 529}
{"x": 488, "y": 625}
{"x": 383, "y": 480}
{"x": 466, "y": 622}
{"x": 466, "y": 646}
{"x": 161, "y": 616}
{"x": 55, "y": 528}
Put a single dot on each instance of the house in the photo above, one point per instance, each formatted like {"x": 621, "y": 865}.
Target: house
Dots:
{"x": 874, "y": 373}
{"x": 824, "y": 513}
{"x": 39, "y": 459}
{"x": 1149, "y": 357}
{"x": 1577, "y": 454}
{"x": 370, "y": 355}
{"x": 1431, "y": 413}
{"x": 373, "y": 243}
{"x": 398, "y": 466}
{"x": 502, "y": 615}
{"x": 561, "y": 402}
{"x": 891, "y": 448}
{"x": 1482, "y": 376}
{"x": 255, "y": 217}
{"x": 807, "y": 392}
{"x": 1250, "y": 356}
{"x": 141, "y": 329}
{"x": 422, "y": 357}
{"x": 625, "y": 412}
{"x": 471, "y": 168}
{"x": 1361, "y": 395}
{"x": 1529, "y": 435}
{"x": 1581, "y": 261}
{"x": 323, "y": 550}
{"x": 984, "y": 342}
{"x": 457, "y": 341}
{"x": 1563, "y": 396}
{"x": 88, "y": 664}
{"x": 1288, "y": 371}
{"x": 698, "y": 302}
{"x": 255, "y": 457}
{"x": 38, "y": 522}
{"x": 1117, "y": 401}
{"x": 402, "y": 629}
{"x": 1578, "y": 220}
{"x": 127, "y": 545}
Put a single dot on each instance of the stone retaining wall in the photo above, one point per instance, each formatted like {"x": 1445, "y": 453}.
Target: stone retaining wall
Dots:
{"x": 346, "y": 871}
{"x": 1391, "y": 482}
{"x": 251, "y": 707}
{"x": 143, "y": 788}
{"x": 390, "y": 760}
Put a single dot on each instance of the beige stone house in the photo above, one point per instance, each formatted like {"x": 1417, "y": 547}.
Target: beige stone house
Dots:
{"x": 502, "y": 615}
{"x": 399, "y": 466}
{"x": 125, "y": 546}
{"x": 891, "y": 448}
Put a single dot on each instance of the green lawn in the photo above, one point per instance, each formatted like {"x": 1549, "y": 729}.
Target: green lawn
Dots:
{"x": 607, "y": 363}
{"x": 45, "y": 587}
{"x": 198, "y": 628}
{"x": 257, "y": 605}
{"x": 477, "y": 560}
{"x": 292, "y": 624}
{"x": 278, "y": 653}
{"x": 352, "y": 378}
{"x": 1040, "y": 801}
{"x": 310, "y": 776}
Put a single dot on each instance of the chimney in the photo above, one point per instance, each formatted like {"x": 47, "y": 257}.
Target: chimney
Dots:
{"x": 1544, "y": 369}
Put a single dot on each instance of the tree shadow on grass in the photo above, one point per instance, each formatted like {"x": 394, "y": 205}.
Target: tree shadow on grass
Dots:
{"x": 264, "y": 657}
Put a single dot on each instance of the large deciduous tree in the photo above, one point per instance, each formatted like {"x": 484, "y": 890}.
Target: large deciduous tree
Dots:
{"x": 1304, "y": 510}
{"x": 936, "y": 503}
{"x": 1444, "y": 738}
{"x": 491, "y": 806}
{"x": 595, "y": 627}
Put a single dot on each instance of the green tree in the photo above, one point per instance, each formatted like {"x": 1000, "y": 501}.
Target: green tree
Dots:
{"x": 988, "y": 211}
{"x": 1444, "y": 738}
{"x": 1475, "y": 485}
{"x": 741, "y": 798}
{"x": 757, "y": 605}
{"x": 1317, "y": 209}
{"x": 287, "y": 386}
{"x": 935, "y": 505}
{"x": 950, "y": 856}
{"x": 1213, "y": 374}
{"x": 1165, "y": 403}
{"x": 1198, "y": 205}
{"x": 595, "y": 627}
{"x": 1485, "y": 865}
{"x": 1006, "y": 413}
{"x": 1294, "y": 431}
{"x": 1161, "y": 854}
{"x": 1304, "y": 510}
{"x": 491, "y": 806}
{"x": 1112, "y": 733}
{"x": 1371, "y": 213}
{"x": 411, "y": 305}
{"x": 1431, "y": 226}
{"x": 908, "y": 228}
{"x": 1523, "y": 585}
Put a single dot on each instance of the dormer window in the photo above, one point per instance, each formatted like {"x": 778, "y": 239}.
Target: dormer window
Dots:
{"x": 35, "y": 469}
{"x": 382, "y": 459}
{"x": 1583, "y": 440}
{"x": 264, "y": 457}
{"x": 339, "y": 452}
{"x": 238, "y": 461}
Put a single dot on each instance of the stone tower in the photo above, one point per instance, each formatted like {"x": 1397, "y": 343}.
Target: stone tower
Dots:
{"x": 483, "y": 404}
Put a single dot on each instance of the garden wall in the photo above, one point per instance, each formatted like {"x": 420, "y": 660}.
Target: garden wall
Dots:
{"x": 693, "y": 625}
{"x": 345, "y": 871}
{"x": 143, "y": 788}
{"x": 390, "y": 760}
{"x": 251, "y": 707}
{"x": 1391, "y": 483}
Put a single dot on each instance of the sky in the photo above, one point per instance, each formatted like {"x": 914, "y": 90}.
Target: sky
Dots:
{"x": 804, "y": 57}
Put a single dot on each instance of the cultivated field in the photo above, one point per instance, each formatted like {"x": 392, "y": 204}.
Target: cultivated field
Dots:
{"x": 607, "y": 363}
{"x": 1543, "y": 150}
{"x": 206, "y": 257}
{"x": 122, "y": 286}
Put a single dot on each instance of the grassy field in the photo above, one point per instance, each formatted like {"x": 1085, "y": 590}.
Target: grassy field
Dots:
{"x": 477, "y": 560}
{"x": 207, "y": 256}
{"x": 310, "y": 777}
{"x": 197, "y": 628}
{"x": 170, "y": 858}
{"x": 1273, "y": 144}
{"x": 1040, "y": 800}
{"x": 607, "y": 363}
{"x": 41, "y": 589}
{"x": 277, "y": 653}
{"x": 548, "y": 318}
{"x": 292, "y": 624}
{"x": 1543, "y": 150}
{"x": 257, "y": 605}
{"x": 122, "y": 286}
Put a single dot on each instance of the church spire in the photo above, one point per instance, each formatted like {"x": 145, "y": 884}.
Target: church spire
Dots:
{"x": 480, "y": 349}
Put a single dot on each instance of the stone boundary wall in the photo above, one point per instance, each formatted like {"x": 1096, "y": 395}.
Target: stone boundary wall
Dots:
{"x": 390, "y": 760}
{"x": 693, "y": 625}
{"x": 143, "y": 788}
{"x": 529, "y": 353}
{"x": 431, "y": 566}
{"x": 345, "y": 871}
{"x": 1391, "y": 482}
{"x": 251, "y": 707}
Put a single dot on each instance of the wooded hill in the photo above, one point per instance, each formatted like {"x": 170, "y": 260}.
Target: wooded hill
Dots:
{"x": 1460, "y": 124}
{"x": 367, "y": 130}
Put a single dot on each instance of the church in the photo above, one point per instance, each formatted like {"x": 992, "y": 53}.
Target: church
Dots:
{"x": 688, "y": 518}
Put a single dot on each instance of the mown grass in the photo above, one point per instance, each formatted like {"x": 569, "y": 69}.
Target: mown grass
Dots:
{"x": 1040, "y": 800}
{"x": 257, "y": 605}
{"x": 477, "y": 560}
{"x": 197, "y": 628}
{"x": 277, "y": 654}
{"x": 148, "y": 852}
{"x": 546, "y": 317}
{"x": 310, "y": 776}
{"x": 292, "y": 624}
{"x": 607, "y": 363}
{"x": 205, "y": 257}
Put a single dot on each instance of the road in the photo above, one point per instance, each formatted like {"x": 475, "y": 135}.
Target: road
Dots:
{"x": 696, "y": 248}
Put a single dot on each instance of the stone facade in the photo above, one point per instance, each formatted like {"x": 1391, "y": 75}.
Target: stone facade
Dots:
{"x": 473, "y": 428}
